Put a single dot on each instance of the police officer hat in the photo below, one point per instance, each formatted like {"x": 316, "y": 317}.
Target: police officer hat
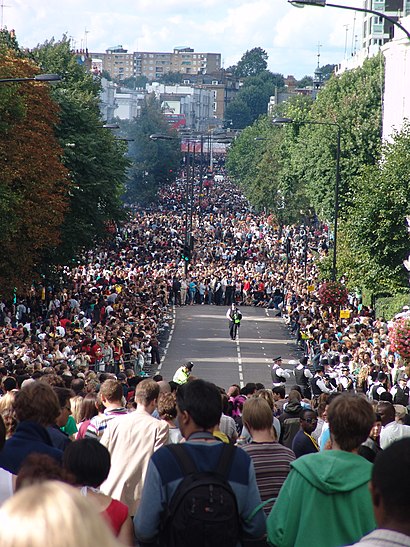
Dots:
{"x": 189, "y": 365}
{"x": 303, "y": 360}
{"x": 277, "y": 359}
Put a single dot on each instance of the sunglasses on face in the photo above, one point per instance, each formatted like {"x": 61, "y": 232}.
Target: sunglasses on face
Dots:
{"x": 309, "y": 420}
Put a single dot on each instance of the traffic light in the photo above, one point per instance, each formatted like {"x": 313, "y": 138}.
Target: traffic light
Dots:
{"x": 186, "y": 253}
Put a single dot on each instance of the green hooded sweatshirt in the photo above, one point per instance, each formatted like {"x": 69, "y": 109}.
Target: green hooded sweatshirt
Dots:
{"x": 324, "y": 502}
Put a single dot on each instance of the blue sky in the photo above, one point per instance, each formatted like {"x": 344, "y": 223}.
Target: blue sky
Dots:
{"x": 289, "y": 35}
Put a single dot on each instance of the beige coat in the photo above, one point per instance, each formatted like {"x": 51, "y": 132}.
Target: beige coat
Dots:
{"x": 131, "y": 440}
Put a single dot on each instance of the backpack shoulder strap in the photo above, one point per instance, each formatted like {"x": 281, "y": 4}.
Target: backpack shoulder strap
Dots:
{"x": 184, "y": 459}
{"x": 258, "y": 508}
{"x": 225, "y": 460}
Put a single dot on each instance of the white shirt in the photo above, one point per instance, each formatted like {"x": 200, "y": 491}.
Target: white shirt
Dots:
{"x": 384, "y": 538}
{"x": 393, "y": 432}
{"x": 280, "y": 372}
{"x": 322, "y": 386}
{"x": 6, "y": 485}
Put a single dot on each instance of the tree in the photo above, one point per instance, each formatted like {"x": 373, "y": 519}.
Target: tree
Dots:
{"x": 352, "y": 101}
{"x": 253, "y": 98}
{"x": 153, "y": 162}
{"x": 252, "y": 62}
{"x": 34, "y": 184}
{"x": 171, "y": 78}
{"x": 135, "y": 82}
{"x": 375, "y": 235}
{"x": 258, "y": 160}
{"x": 105, "y": 74}
{"x": 239, "y": 112}
{"x": 306, "y": 81}
{"x": 95, "y": 160}
{"x": 327, "y": 71}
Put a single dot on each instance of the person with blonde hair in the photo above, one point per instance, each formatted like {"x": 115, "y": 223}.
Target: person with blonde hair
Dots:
{"x": 52, "y": 514}
{"x": 8, "y": 413}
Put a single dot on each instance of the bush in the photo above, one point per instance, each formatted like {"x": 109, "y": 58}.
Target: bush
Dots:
{"x": 388, "y": 306}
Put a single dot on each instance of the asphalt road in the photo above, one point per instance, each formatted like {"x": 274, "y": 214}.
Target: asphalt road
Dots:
{"x": 200, "y": 334}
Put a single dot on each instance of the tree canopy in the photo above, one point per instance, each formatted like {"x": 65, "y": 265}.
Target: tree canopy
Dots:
{"x": 252, "y": 99}
{"x": 153, "y": 161}
{"x": 34, "y": 184}
{"x": 93, "y": 157}
{"x": 292, "y": 172}
{"x": 252, "y": 63}
{"x": 375, "y": 228}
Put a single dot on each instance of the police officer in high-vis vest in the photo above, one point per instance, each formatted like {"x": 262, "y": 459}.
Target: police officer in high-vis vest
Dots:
{"x": 234, "y": 316}
{"x": 183, "y": 373}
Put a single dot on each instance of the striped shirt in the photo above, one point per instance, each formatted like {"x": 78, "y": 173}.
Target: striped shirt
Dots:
{"x": 272, "y": 465}
{"x": 98, "y": 423}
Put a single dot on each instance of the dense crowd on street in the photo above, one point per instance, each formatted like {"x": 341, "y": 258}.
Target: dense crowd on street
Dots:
{"x": 84, "y": 414}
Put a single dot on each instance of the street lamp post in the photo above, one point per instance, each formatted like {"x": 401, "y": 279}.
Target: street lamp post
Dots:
{"x": 36, "y": 78}
{"x": 323, "y": 3}
{"x": 279, "y": 121}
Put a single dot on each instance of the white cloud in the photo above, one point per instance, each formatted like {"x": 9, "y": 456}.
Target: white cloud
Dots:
{"x": 290, "y": 36}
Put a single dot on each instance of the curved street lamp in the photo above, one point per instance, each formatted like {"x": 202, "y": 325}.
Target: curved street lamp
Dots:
{"x": 280, "y": 121}
{"x": 36, "y": 78}
{"x": 163, "y": 137}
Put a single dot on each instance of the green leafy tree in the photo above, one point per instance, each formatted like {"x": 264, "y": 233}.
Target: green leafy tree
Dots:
{"x": 134, "y": 82}
{"x": 252, "y": 62}
{"x": 375, "y": 233}
{"x": 351, "y": 101}
{"x": 154, "y": 162}
{"x": 105, "y": 74}
{"x": 306, "y": 81}
{"x": 258, "y": 161}
{"x": 327, "y": 71}
{"x": 171, "y": 78}
{"x": 253, "y": 98}
{"x": 239, "y": 112}
{"x": 95, "y": 160}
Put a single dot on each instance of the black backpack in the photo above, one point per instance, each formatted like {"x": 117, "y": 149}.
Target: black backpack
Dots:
{"x": 203, "y": 512}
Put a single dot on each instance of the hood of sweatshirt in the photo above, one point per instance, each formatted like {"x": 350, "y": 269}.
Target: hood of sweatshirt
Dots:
{"x": 334, "y": 471}
{"x": 294, "y": 408}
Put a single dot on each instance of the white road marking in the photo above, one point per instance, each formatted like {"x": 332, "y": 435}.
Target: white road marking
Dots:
{"x": 171, "y": 332}
{"x": 238, "y": 349}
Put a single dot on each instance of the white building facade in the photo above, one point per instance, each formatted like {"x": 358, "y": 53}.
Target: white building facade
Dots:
{"x": 396, "y": 100}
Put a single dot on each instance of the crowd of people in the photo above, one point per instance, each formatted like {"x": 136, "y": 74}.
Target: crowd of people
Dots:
{"x": 81, "y": 403}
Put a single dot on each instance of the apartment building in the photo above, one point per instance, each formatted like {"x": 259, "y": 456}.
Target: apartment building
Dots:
{"x": 116, "y": 61}
{"x": 121, "y": 64}
{"x": 376, "y": 30}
